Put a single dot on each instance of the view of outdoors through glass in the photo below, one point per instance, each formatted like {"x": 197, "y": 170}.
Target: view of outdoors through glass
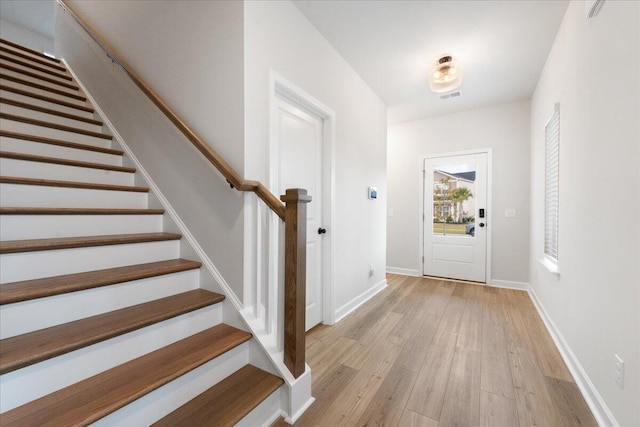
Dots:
{"x": 453, "y": 203}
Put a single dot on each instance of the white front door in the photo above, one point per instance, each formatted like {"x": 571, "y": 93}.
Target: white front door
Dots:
{"x": 298, "y": 138}
{"x": 455, "y": 217}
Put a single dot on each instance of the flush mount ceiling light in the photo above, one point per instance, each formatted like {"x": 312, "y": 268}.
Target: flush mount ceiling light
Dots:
{"x": 445, "y": 76}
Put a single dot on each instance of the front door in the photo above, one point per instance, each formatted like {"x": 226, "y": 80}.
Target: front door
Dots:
{"x": 455, "y": 217}
{"x": 299, "y": 155}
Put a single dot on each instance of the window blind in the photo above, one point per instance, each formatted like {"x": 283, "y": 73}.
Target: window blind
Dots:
{"x": 552, "y": 184}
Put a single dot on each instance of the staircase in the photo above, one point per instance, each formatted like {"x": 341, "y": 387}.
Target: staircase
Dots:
{"x": 101, "y": 320}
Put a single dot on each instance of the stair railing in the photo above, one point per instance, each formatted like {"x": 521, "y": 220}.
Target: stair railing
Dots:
{"x": 293, "y": 212}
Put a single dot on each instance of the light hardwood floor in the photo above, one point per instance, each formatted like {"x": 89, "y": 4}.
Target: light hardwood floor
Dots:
{"x": 436, "y": 353}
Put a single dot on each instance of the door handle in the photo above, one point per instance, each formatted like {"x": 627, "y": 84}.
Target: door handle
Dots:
{"x": 481, "y": 224}
{"x": 322, "y": 230}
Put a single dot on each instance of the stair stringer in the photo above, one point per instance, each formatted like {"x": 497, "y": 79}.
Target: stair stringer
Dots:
{"x": 295, "y": 395}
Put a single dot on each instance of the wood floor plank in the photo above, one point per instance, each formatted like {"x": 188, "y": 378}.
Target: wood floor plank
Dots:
{"x": 428, "y": 394}
{"x": 388, "y": 403}
{"x": 570, "y": 404}
{"x": 497, "y": 411}
{"x": 413, "y": 419}
{"x": 461, "y": 405}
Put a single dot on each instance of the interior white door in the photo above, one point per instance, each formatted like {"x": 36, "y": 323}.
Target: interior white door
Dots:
{"x": 299, "y": 156}
{"x": 455, "y": 217}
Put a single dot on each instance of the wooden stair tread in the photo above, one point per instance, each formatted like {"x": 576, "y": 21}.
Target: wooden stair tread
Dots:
{"x": 26, "y": 49}
{"x": 46, "y": 98}
{"x": 54, "y": 126}
{"x": 59, "y": 142}
{"x": 33, "y": 347}
{"x": 227, "y": 402}
{"x": 39, "y": 288}
{"x": 15, "y": 246}
{"x": 9, "y": 210}
{"x": 49, "y": 111}
{"x": 70, "y": 184}
{"x": 89, "y": 400}
{"x": 44, "y": 62}
{"x": 65, "y": 162}
{"x": 49, "y": 71}
{"x": 38, "y": 85}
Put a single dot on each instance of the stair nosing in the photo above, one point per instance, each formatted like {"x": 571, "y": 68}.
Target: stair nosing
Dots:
{"x": 202, "y": 348}
{"x": 44, "y": 62}
{"x": 36, "y": 68}
{"x": 35, "y": 245}
{"x": 49, "y": 111}
{"x": 71, "y": 184}
{"x": 12, "y": 210}
{"x": 50, "y": 125}
{"x": 26, "y": 290}
{"x": 46, "y": 98}
{"x": 26, "y": 49}
{"x": 64, "y": 162}
{"x": 34, "y": 76}
{"x": 101, "y": 327}
{"x": 60, "y": 143}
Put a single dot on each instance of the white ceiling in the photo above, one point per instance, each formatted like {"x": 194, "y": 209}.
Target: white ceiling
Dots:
{"x": 501, "y": 45}
{"x": 36, "y": 15}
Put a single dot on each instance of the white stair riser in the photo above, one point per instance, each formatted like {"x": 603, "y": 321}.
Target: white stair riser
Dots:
{"x": 44, "y": 92}
{"x": 40, "y": 103}
{"x": 39, "y": 73}
{"x": 16, "y": 195}
{"x": 29, "y": 129}
{"x": 48, "y": 150}
{"x": 23, "y": 52}
{"x": 20, "y": 318}
{"x": 38, "y": 380}
{"x": 51, "y": 118}
{"x": 36, "y": 265}
{"x": 52, "y": 171}
{"x": 161, "y": 402}
{"x": 41, "y": 82}
{"x": 23, "y": 227}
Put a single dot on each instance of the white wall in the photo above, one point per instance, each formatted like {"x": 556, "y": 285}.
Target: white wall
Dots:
{"x": 191, "y": 53}
{"x": 595, "y": 303}
{"x": 505, "y": 128}
{"x": 278, "y": 37}
{"x": 25, "y": 37}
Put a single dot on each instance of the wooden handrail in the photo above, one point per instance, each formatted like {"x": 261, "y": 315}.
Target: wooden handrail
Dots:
{"x": 214, "y": 158}
{"x": 294, "y": 215}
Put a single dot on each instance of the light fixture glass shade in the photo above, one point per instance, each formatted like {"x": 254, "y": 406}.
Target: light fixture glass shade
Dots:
{"x": 445, "y": 76}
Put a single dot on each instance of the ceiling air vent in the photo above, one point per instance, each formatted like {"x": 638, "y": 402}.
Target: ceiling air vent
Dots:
{"x": 592, "y": 7}
{"x": 448, "y": 95}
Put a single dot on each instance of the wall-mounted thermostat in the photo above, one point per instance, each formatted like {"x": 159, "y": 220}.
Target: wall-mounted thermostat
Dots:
{"x": 373, "y": 193}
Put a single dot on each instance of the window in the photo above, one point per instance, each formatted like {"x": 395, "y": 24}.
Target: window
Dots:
{"x": 552, "y": 185}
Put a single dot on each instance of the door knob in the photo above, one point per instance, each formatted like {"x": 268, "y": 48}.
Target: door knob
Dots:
{"x": 481, "y": 224}
{"x": 321, "y": 230}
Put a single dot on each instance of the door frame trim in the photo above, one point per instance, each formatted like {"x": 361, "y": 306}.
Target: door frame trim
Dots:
{"x": 489, "y": 152}
{"x": 283, "y": 89}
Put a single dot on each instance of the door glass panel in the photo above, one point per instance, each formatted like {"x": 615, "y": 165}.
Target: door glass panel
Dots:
{"x": 453, "y": 205}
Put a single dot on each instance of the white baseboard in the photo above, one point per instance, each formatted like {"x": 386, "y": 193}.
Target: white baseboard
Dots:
{"x": 508, "y": 284}
{"x": 359, "y": 300}
{"x": 596, "y": 403}
{"x": 404, "y": 271}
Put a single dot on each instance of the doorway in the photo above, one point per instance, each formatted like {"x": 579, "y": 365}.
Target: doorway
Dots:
{"x": 302, "y": 132}
{"x": 456, "y": 219}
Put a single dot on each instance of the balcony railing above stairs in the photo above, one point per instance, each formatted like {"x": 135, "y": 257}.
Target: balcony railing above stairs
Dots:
{"x": 292, "y": 212}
